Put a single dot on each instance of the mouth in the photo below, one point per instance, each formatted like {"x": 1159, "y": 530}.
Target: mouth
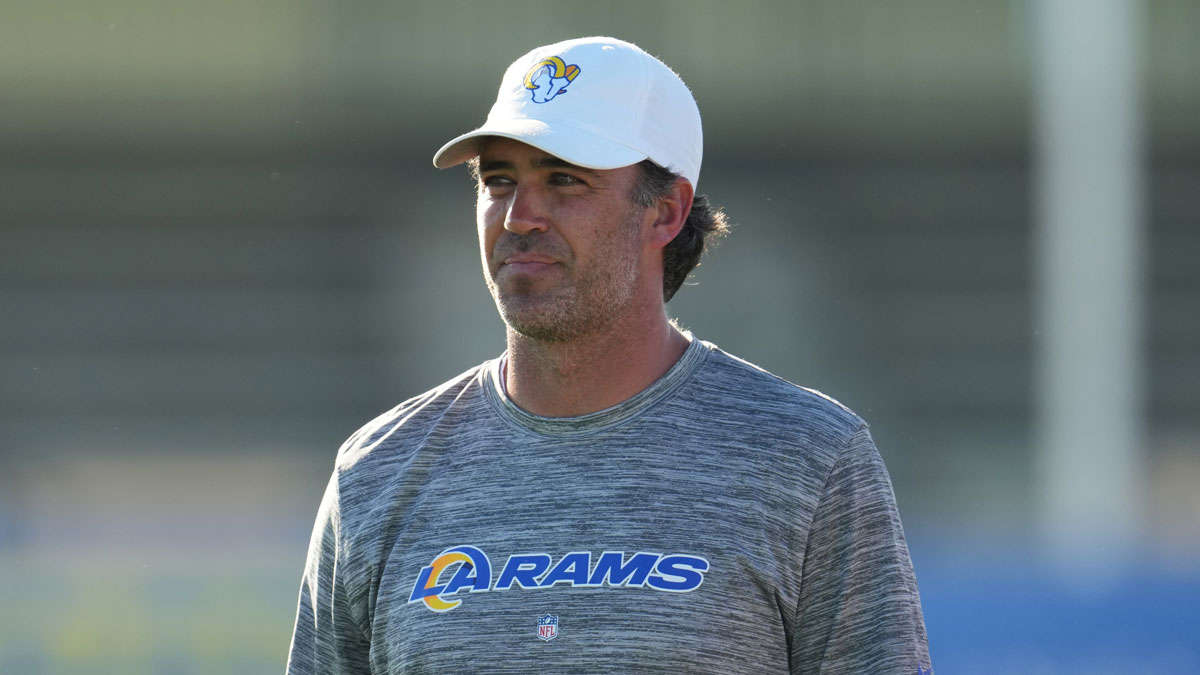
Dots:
{"x": 526, "y": 268}
{"x": 529, "y": 259}
{"x": 527, "y": 263}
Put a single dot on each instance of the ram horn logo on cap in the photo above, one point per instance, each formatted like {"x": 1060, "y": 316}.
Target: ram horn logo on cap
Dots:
{"x": 549, "y": 78}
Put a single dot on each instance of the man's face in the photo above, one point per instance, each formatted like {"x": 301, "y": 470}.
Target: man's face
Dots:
{"x": 561, "y": 245}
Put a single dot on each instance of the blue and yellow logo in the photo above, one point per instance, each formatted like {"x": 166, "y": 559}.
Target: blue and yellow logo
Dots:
{"x": 472, "y": 571}
{"x": 549, "y": 78}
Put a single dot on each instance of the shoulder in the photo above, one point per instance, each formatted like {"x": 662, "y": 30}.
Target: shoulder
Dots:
{"x": 747, "y": 392}
{"x": 414, "y": 418}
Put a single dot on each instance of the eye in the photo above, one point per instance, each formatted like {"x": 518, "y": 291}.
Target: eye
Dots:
{"x": 565, "y": 179}
{"x": 495, "y": 181}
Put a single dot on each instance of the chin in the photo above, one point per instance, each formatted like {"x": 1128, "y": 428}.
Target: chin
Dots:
{"x": 540, "y": 326}
{"x": 557, "y": 317}
{"x": 547, "y": 334}
{"x": 544, "y": 321}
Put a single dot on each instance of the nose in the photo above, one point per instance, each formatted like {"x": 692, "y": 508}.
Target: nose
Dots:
{"x": 526, "y": 211}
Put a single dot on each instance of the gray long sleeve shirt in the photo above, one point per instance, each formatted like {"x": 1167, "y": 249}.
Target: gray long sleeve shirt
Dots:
{"x": 721, "y": 521}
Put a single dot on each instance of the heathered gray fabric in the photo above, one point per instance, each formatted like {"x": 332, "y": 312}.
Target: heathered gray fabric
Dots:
{"x": 779, "y": 489}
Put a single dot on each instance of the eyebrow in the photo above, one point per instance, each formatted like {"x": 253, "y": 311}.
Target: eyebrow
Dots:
{"x": 547, "y": 162}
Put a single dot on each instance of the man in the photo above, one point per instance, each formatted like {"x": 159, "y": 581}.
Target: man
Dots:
{"x": 611, "y": 495}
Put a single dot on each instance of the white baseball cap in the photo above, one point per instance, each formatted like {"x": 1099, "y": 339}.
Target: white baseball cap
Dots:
{"x": 597, "y": 102}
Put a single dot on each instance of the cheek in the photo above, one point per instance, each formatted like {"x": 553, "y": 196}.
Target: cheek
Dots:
{"x": 481, "y": 209}
{"x": 489, "y": 223}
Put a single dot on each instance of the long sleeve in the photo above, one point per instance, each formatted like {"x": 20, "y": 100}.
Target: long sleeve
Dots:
{"x": 327, "y": 638}
{"x": 859, "y": 610}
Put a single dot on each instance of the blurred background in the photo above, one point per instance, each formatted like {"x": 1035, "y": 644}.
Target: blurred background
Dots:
{"x": 223, "y": 248}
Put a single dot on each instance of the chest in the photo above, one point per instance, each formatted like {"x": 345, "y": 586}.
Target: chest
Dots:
{"x": 589, "y": 558}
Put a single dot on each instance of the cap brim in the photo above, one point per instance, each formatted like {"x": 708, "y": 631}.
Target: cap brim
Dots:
{"x": 568, "y": 142}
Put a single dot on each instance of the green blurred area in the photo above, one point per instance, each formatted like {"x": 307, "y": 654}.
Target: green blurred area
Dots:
{"x": 145, "y": 612}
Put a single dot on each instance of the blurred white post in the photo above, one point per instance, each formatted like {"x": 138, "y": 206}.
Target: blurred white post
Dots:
{"x": 1088, "y": 247}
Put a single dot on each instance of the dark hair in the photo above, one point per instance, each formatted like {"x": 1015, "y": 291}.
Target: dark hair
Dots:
{"x": 682, "y": 255}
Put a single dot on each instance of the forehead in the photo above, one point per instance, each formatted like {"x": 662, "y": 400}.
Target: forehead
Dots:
{"x": 500, "y": 152}
{"x": 509, "y": 149}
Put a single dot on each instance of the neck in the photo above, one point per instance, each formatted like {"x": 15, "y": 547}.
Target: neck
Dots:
{"x": 572, "y": 378}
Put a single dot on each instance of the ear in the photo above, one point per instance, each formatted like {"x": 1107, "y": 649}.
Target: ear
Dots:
{"x": 670, "y": 212}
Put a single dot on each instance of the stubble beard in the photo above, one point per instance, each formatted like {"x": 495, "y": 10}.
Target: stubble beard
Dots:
{"x": 589, "y": 300}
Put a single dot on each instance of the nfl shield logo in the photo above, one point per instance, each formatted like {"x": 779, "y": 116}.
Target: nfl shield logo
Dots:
{"x": 548, "y": 626}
